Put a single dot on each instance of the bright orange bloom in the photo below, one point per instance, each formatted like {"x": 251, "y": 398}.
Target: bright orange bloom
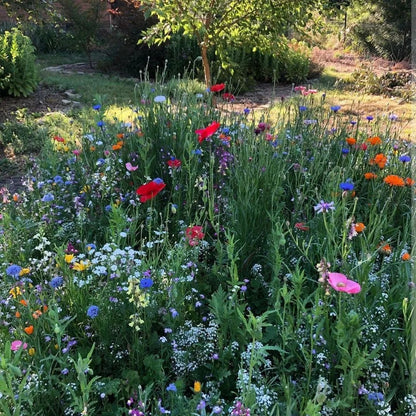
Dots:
{"x": 23, "y": 302}
{"x": 370, "y": 175}
{"x": 15, "y": 197}
{"x": 394, "y": 180}
{"x": 374, "y": 141}
{"x": 45, "y": 308}
{"x": 350, "y": 141}
{"x": 92, "y": 148}
{"x": 359, "y": 227}
{"x": 385, "y": 249}
{"x": 120, "y": 136}
{"x": 17, "y": 314}
{"x": 409, "y": 181}
{"x": 406, "y": 256}
{"x": 118, "y": 145}
{"x": 380, "y": 160}
{"x": 29, "y": 330}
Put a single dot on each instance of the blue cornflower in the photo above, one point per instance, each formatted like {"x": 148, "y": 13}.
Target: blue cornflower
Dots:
{"x": 335, "y": 108}
{"x": 197, "y": 152}
{"x": 100, "y": 123}
{"x": 108, "y": 208}
{"x": 302, "y": 108}
{"x": 346, "y": 186}
{"x": 14, "y": 270}
{"x": 377, "y": 398}
{"x": 48, "y": 197}
{"x": 100, "y": 162}
{"x": 171, "y": 387}
{"x": 56, "y": 282}
{"x": 404, "y": 158}
{"x": 345, "y": 151}
{"x": 146, "y": 282}
{"x": 97, "y": 107}
{"x": 93, "y": 311}
{"x": 353, "y": 122}
{"x": 58, "y": 179}
{"x": 246, "y": 111}
{"x": 369, "y": 118}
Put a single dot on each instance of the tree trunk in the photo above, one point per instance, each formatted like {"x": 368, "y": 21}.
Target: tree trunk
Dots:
{"x": 205, "y": 64}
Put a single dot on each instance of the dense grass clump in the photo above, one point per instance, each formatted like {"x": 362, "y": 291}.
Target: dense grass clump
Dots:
{"x": 179, "y": 259}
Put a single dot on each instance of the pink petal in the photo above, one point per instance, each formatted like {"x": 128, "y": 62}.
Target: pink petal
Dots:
{"x": 130, "y": 167}
{"x": 341, "y": 283}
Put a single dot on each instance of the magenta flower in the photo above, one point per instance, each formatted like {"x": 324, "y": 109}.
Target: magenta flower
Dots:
{"x": 16, "y": 345}
{"x": 341, "y": 283}
{"x": 130, "y": 167}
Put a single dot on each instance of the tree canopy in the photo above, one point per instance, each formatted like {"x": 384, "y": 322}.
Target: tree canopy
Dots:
{"x": 260, "y": 24}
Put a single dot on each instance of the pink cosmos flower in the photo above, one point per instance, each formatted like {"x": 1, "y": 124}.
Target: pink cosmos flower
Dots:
{"x": 130, "y": 167}
{"x": 341, "y": 283}
{"x": 17, "y": 344}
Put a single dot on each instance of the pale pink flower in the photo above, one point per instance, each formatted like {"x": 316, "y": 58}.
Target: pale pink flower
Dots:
{"x": 130, "y": 167}
{"x": 341, "y": 283}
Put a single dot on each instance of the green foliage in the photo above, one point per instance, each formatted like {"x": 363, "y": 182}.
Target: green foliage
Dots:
{"x": 382, "y": 28}
{"x": 18, "y": 72}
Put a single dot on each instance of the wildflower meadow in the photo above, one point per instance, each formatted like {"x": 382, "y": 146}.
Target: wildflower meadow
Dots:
{"x": 187, "y": 259}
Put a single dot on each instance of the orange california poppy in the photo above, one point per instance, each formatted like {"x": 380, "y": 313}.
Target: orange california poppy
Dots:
{"x": 374, "y": 141}
{"x": 17, "y": 314}
{"x": 409, "y": 181}
{"x": 359, "y": 227}
{"x": 36, "y": 314}
{"x": 29, "y": 330}
{"x": 370, "y": 175}
{"x": 406, "y": 256}
{"x": 23, "y": 302}
{"x": 394, "y": 180}
{"x": 350, "y": 141}
{"x": 380, "y": 160}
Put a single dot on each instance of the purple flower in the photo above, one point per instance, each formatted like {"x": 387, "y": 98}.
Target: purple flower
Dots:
{"x": 369, "y": 118}
{"x": 323, "y": 207}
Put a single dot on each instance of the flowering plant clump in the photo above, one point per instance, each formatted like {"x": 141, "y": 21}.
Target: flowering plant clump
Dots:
{"x": 125, "y": 293}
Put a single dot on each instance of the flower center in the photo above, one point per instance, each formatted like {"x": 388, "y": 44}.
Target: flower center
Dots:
{"x": 340, "y": 284}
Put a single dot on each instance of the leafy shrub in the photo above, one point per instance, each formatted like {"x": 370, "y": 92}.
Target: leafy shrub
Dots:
{"x": 18, "y": 73}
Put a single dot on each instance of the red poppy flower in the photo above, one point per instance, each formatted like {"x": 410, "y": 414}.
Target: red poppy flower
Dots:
{"x": 228, "y": 96}
{"x": 217, "y": 87}
{"x": 207, "y": 131}
{"x": 150, "y": 189}
{"x": 301, "y": 226}
{"x": 174, "y": 163}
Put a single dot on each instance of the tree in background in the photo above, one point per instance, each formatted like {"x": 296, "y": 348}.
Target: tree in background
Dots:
{"x": 383, "y": 27}
{"x": 261, "y": 24}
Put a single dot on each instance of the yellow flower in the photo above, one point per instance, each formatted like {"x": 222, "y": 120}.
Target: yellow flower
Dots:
{"x": 69, "y": 258}
{"x": 31, "y": 351}
{"x": 197, "y": 386}
{"x": 25, "y": 270}
{"x": 81, "y": 266}
{"x": 15, "y": 292}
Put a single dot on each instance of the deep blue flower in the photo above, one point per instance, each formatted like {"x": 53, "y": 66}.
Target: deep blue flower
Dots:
{"x": 171, "y": 387}
{"x": 404, "y": 158}
{"x": 346, "y": 186}
{"x": 97, "y": 107}
{"x": 13, "y": 270}
{"x": 91, "y": 246}
{"x": 369, "y": 118}
{"x": 246, "y": 111}
{"x": 146, "y": 282}
{"x": 353, "y": 122}
{"x": 93, "y": 311}
{"x": 302, "y": 108}
{"x": 56, "y": 282}
{"x": 100, "y": 123}
{"x": 58, "y": 179}
{"x": 345, "y": 151}
{"x": 335, "y": 108}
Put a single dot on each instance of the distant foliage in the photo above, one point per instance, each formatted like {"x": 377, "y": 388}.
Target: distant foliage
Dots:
{"x": 383, "y": 28}
{"x": 18, "y": 74}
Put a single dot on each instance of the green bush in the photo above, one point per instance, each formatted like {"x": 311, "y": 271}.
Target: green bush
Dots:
{"x": 18, "y": 73}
